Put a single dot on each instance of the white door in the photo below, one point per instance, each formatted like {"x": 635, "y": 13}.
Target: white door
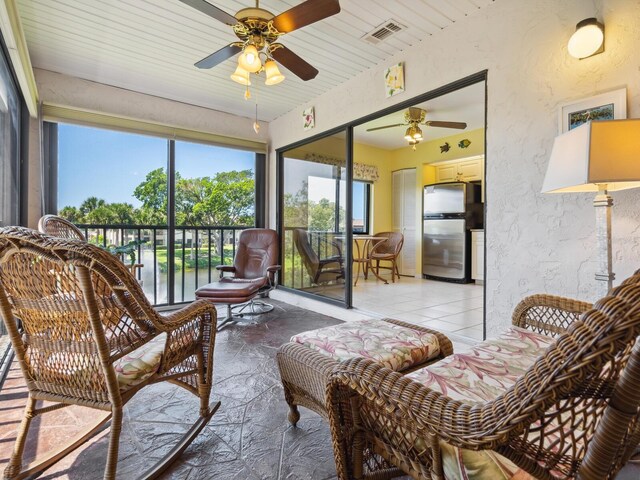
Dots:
{"x": 404, "y": 217}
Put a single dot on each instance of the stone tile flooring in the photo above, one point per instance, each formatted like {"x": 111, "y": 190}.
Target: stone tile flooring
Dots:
{"x": 249, "y": 438}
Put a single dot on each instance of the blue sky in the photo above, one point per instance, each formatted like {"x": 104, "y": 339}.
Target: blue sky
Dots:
{"x": 108, "y": 164}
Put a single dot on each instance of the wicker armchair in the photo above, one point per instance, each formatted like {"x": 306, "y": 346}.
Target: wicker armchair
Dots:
{"x": 572, "y": 413}
{"x": 62, "y": 228}
{"x": 387, "y": 251}
{"x": 85, "y": 334}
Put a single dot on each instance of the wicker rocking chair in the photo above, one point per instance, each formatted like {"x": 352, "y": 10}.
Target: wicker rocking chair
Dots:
{"x": 85, "y": 334}
{"x": 572, "y": 412}
{"x": 62, "y": 228}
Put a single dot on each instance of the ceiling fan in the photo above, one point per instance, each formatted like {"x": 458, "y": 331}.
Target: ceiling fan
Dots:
{"x": 413, "y": 118}
{"x": 259, "y": 31}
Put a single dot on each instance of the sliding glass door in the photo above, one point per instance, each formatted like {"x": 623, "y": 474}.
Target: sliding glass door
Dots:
{"x": 313, "y": 191}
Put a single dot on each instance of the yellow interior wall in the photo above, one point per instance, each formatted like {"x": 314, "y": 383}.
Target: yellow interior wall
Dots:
{"x": 429, "y": 152}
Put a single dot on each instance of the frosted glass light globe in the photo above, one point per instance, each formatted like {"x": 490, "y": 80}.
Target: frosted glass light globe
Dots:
{"x": 587, "y": 40}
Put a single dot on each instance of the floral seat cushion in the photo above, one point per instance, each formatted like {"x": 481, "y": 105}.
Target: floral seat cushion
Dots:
{"x": 394, "y": 346}
{"x": 478, "y": 375}
{"x": 138, "y": 365}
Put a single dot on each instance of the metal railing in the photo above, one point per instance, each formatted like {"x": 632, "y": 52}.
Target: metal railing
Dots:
{"x": 197, "y": 250}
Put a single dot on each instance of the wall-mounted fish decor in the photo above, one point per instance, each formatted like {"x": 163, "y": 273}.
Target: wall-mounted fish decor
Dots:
{"x": 445, "y": 148}
{"x": 464, "y": 143}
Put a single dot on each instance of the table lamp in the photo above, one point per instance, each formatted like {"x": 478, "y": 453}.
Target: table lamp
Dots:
{"x": 599, "y": 156}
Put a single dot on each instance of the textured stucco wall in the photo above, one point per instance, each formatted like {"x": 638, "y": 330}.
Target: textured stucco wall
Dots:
{"x": 535, "y": 242}
{"x": 59, "y": 89}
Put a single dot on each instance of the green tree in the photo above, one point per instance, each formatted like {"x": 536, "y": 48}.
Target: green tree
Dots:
{"x": 72, "y": 214}
{"x": 322, "y": 215}
{"x": 152, "y": 193}
{"x": 91, "y": 204}
{"x": 112, "y": 213}
{"x": 296, "y": 208}
{"x": 226, "y": 199}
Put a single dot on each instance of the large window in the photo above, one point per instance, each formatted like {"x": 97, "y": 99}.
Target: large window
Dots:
{"x": 182, "y": 204}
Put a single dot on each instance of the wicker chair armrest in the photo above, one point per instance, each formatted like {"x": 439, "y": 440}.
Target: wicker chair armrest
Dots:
{"x": 548, "y": 314}
{"x": 429, "y": 414}
{"x": 197, "y": 309}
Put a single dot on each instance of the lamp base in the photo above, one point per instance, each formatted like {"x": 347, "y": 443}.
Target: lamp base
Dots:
{"x": 604, "y": 276}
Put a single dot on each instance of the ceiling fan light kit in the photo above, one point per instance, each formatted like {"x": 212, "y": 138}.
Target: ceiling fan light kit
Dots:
{"x": 413, "y": 118}
{"x": 259, "y": 31}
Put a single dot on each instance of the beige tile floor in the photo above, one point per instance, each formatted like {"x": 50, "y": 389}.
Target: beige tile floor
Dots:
{"x": 448, "y": 307}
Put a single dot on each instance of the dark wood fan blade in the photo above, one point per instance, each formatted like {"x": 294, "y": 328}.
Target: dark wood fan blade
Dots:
{"x": 386, "y": 126}
{"x": 219, "y": 56}
{"x": 435, "y": 123}
{"x": 294, "y": 63}
{"x": 305, "y": 14}
{"x": 215, "y": 12}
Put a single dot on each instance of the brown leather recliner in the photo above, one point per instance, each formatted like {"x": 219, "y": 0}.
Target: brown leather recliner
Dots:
{"x": 254, "y": 274}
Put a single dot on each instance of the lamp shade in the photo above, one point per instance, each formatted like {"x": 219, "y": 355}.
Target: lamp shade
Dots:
{"x": 598, "y": 152}
{"x": 249, "y": 59}
{"x": 273, "y": 73}
{"x": 241, "y": 76}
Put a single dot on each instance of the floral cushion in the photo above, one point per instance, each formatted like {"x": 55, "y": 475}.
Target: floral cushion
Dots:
{"x": 480, "y": 375}
{"x": 138, "y": 365}
{"x": 392, "y": 345}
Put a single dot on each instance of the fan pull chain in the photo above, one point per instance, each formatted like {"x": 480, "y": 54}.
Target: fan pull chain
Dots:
{"x": 247, "y": 92}
{"x": 256, "y": 125}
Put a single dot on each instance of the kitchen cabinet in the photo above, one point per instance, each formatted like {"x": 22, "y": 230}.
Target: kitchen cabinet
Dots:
{"x": 477, "y": 255}
{"x": 466, "y": 170}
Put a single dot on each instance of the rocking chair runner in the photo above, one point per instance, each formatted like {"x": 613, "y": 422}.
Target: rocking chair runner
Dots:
{"x": 89, "y": 337}
{"x": 574, "y": 412}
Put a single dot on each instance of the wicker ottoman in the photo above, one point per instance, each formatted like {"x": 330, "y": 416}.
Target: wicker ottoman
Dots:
{"x": 307, "y": 360}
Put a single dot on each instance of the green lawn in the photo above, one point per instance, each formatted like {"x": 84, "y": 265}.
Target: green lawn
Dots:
{"x": 190, "y": 257}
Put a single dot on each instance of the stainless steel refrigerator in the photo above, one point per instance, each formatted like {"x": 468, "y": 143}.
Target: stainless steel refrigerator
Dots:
{"x": 450, "y": 211}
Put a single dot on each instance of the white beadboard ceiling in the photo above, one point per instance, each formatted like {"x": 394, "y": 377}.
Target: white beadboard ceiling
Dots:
{"x": 150, "y": 46}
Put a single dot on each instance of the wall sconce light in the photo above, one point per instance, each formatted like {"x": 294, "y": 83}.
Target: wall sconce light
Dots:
{"x": 588, "y": 40}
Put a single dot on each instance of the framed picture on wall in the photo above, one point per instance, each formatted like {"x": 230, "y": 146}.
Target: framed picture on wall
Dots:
{"x": 606, "y": 106}
{"x": 394, "y": 79}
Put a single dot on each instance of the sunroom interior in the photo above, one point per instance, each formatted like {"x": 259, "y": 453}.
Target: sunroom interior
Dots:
{"x": 109, "y": 121}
